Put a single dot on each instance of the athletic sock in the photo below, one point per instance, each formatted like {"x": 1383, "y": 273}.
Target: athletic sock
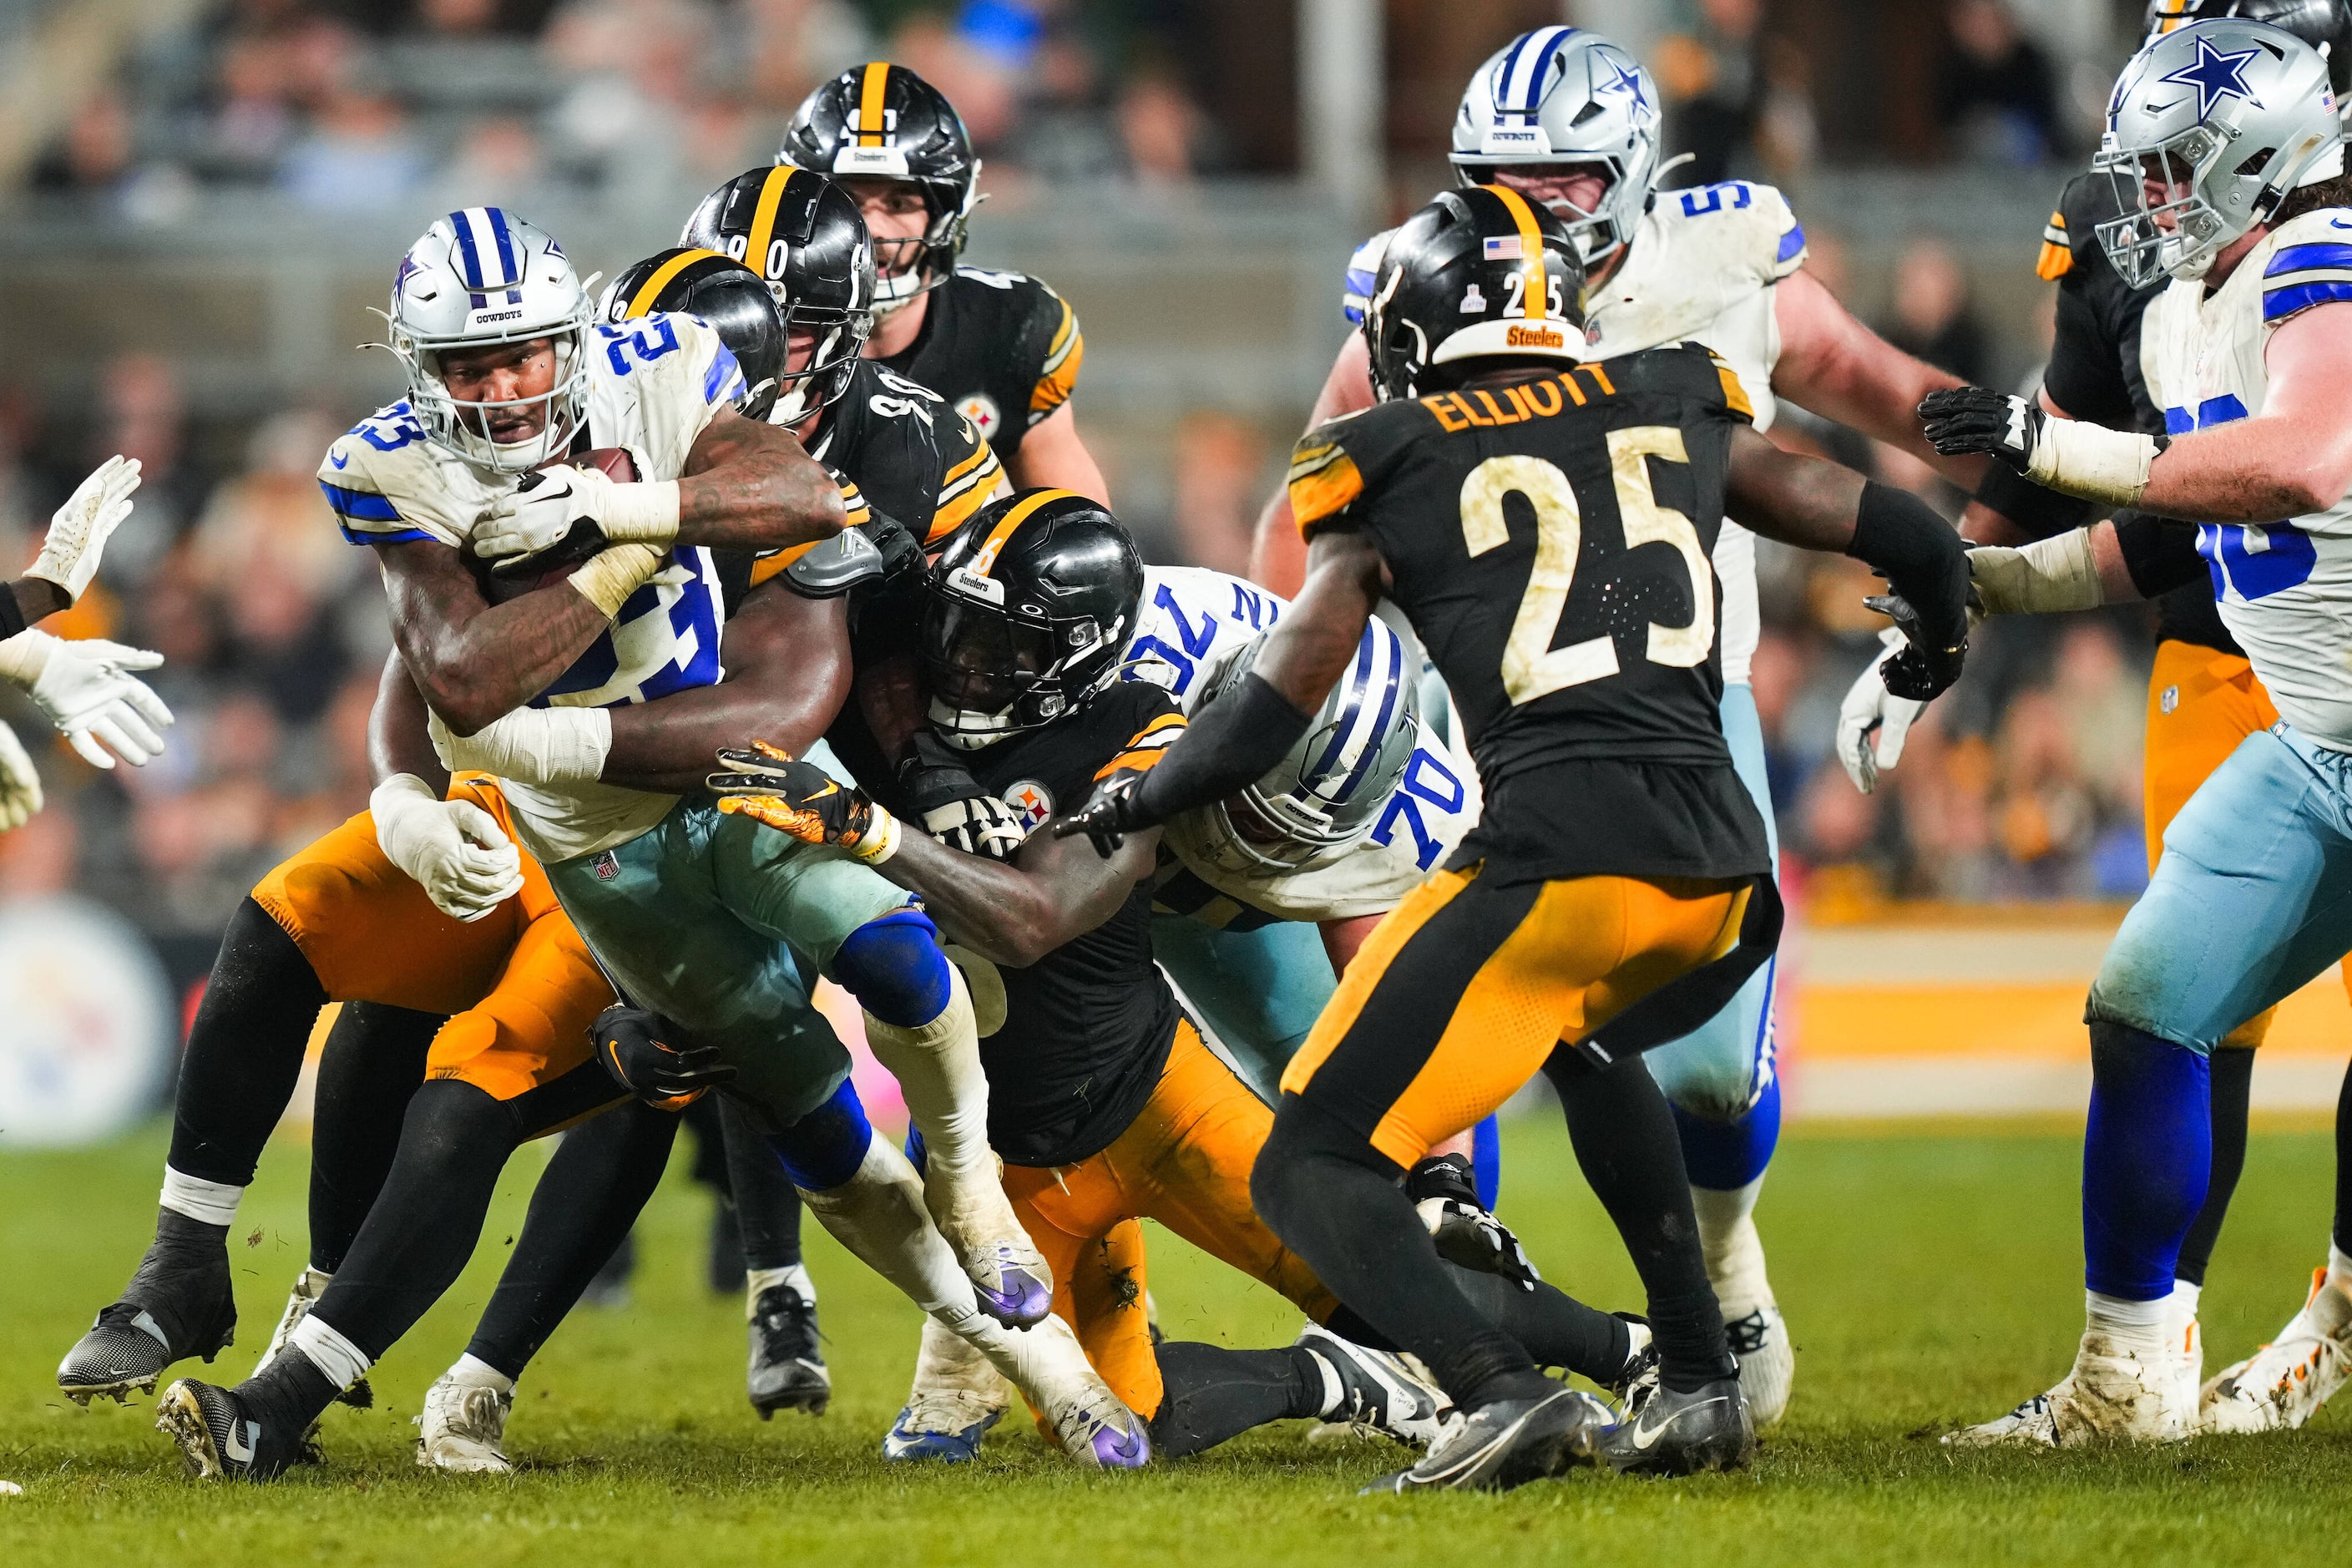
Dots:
{"x": 879, "y": 1215}
{"x": 2146, "y": 1153}
{"x": 758, "y": 1282}
{"x": 472, "y": 1372}
{"x": 593, "y": 1188}
{"x": 209, "y": 1204}
{"x": 372, "y": 1065}
{"x": 1334, "y": 1201}
{"x": 343, "y": 1362}
{"x": 2343, "y": 1229}
{"x": 2139, "y": 1328}
{"x": 245, "y": 1049}
{"x": 2231, "y": 1075}
{"x": 1214, "y": 1394}
{"x": 1734, "y": 1251}
{"x": 767, "y": 1208}
{"x": 1624, "y": 1134}
{"x": 1556, "y": 1328}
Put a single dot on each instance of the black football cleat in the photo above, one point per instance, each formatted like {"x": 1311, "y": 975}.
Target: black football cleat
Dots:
{"x": 221, "y": 1439}
{"x": 1669, "y": 1433}
{"x": 178, "y": 1304}
{"x": 1505, "y": 1443}
{"x": 787, "y": 1370}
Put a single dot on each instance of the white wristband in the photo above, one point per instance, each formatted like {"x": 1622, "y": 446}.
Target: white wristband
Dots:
{"x": 24, "y": 656}
{"x": 2047, "y": 576}
{"x": 532, "y": 745}
{"x": 2091, "y": 461}
{"x": 881, "y": 840}
{"x": 643, "y": 513}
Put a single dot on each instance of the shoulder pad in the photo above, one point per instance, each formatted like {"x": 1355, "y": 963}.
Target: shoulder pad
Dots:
{"x": 1738, "y": 225}
{"x": 2310, "y": 264}
{"x": 832, "y": 568}
{"x": 1363, "y": 270}
{"x": 351, "y": 479}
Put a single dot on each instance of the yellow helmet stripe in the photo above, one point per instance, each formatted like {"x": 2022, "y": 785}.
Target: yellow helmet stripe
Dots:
{"x": 666, "y": 273}
{"x": 764, "y": 218}
{"x": 1531, "y": 249}
{"x": 869, "y": 103}
{"x": 984, "y": 561}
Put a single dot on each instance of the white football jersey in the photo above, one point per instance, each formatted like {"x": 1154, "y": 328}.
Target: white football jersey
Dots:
{"x": 1701, "y": 268}
{"x": 1191, "y": 621}
{"x": 2284, "y": 589}
{"x": 654, "y": 385}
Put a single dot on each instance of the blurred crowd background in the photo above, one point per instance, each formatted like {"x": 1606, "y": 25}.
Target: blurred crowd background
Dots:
{"x": 205, "y": 196}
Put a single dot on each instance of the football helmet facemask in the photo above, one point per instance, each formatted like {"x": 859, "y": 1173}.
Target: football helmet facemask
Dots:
{"x": 1028, "y": 609}
{"x": 722, "y": 292}
{"x": 882, "y": 121}
{"x": 1478, "y": 273}
{"x": 802, "y": 235}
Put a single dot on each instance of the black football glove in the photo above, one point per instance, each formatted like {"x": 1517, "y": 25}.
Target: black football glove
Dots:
{"x": 1925, "y": 667}
{"x": 630, "y": 1043}
{"x": 1963, "y": 421}
{"x": 1110, "y": 815}
{"x": 980, "y": 824}
{"x": 1465, "y": 1234}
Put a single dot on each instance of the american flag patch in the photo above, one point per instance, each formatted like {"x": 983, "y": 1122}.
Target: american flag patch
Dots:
{"x": 1505, "y": 247}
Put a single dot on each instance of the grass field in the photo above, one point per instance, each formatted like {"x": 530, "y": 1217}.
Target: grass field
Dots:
{"x": 1930, "y": 1276}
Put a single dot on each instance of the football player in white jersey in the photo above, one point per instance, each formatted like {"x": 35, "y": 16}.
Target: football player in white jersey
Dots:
{"x": 2224, "y": 139}
{"x": 506, "y": 372}
{"x": 1570, "y": 120}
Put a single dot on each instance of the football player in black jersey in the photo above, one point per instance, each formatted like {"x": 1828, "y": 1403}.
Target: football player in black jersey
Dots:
{"x": 1617, "y": 887}
{"x": 1105, "y": 1102}
{"x": 1003, "y": 348}
{"x": 2203, "y": 695}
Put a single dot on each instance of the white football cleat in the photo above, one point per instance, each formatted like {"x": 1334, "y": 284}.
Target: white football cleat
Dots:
{"x": 2112, "y": 1396}
{"x": 2281, "y": 1385}
{"x": 1767, "y": 1361}
{"x": 464, "y": 1428}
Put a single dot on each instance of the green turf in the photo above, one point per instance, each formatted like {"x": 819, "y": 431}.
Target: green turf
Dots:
{"x": 1930, "y": 1279}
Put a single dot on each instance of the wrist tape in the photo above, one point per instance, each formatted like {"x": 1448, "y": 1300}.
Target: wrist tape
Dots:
{"x": 2091, "y": 461}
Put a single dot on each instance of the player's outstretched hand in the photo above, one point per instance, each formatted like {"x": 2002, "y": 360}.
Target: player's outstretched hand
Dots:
{"x": 452, "y": 848}
{"x": 86, "y": 690}
{"x": 634, "y": 1047}
{"x": 20, "y": 786}
{"x": 1110, "y": 815}
{"x": 770, "y": 785}
{"x": 80, "y": 530}
{"x": 1964, "y": 421}
{"x": 1930, "y": 659}
{"x": 1873, "y": 722}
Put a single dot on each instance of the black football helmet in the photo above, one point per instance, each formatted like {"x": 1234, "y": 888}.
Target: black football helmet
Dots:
{"x": 882, "y": 121}
{"x": 1029, "y": 606}
{"x": 720, "y": 290}
{"x": 1479, "y": 273}
{"x": 2324, "y": 24}
{"x": 802, "y": 235}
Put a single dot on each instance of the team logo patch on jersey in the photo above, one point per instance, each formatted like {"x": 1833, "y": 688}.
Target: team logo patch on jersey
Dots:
{"x": 1031, "y": 802}
{"x": 981, "y": 410}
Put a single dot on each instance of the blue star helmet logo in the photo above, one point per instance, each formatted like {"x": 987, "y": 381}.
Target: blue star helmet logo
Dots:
{"x": 1629, "y": 82}
{"x": 2216, "y": 75}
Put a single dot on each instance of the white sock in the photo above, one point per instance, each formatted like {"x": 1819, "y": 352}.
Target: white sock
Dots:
{"x": 758, "y": 1282}
{"x": 2184, "y": 1300}
{"x": 879, "y": 1215}
{"x": 343, "y": 1362}
{"x": 472, "y": 1372}
{"x": 2134, "y": 1326}
{"x": 210, "y": 1203}
{"x": 939, "y": 1072}
{"x": 2180, "y": 1320}
{"x": 950, "y": 1363}
{"x": 1735, "y": 1252}
{"x": 2339, "y": 1270}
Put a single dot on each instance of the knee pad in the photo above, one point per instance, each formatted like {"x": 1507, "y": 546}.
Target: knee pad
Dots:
{"x": 824, "y": 1148}
{"x": 895, "y": 968}
{"x": 1724, "y": 1155}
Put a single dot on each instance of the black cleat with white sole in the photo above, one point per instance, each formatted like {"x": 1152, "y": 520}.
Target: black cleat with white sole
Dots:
{"x": 1667, "y": 1432}
{"x": 178, "y": 1304}
{"x": 1507, "y": 1443}
{"x": 787, "y": 1370}
{"x": 1372, "y": 1390}
{"x": 224, "y": 1438}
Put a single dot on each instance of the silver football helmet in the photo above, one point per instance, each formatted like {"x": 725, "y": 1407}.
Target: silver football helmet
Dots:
{"x": 2210, "y": 126}
{"x": 1326, "y": 795}
{"x": 1561, "y": 95}
{"x": 484, "y": 276}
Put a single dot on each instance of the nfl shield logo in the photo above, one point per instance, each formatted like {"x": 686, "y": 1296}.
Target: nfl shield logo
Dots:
{"x": 607, "y": 865}
{"x": 1032, "y": 803}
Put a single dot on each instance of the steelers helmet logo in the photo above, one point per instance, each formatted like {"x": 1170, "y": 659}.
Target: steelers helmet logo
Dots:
{"x": 1031, "y": 802}
{"x": 981, "y": 410}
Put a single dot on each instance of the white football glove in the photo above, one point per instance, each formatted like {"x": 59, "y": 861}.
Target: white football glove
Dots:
{"x": 1873, "y": 722}
{"x": 78, "y": 532}
{"x": 86, "y": 690}
{"x": 453, "y": 848}
{"x": 541, "y": 511}
{"x": 20, "y": 786}
{"x": 982, "y": 826}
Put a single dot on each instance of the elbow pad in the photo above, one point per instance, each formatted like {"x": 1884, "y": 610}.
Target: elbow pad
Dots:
{"x": 832, "y": 568}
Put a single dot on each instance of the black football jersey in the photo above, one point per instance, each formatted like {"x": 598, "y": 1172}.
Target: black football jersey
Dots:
{"x": 1086, "y": 1027}
{"x": 1002, "y": 347}
{"x": 1551, "y": 543}
{"x": 2095, "y": 363}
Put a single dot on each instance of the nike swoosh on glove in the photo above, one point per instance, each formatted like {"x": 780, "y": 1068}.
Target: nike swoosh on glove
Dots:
{"x": 542, "y": 510}
{"x": 634, "y": 1047}
{"x": 770, "y": 785}
{"x": 1110, "y": 815}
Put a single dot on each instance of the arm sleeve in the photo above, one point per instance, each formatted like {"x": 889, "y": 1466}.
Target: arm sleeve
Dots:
{"x": 2159, "y": 555}
{"x": 1233, "y": 741}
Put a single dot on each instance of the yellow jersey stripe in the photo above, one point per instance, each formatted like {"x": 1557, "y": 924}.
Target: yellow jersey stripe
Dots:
{"x": 1531, "y": 248}
{"x": 984, "y": 561}
{"x": 1061, "y": 378}
{"x": 664, "y": 275}
{"x": 764, "y": 218}
{"x": 979, "y": 459}
{"x": 954, "y": 511}
{"x": 1326, "y": 493}
{"x": 869, "y": 103}
{"x": 1061, "y": 333}
{"x": 1734, "y": 397}
{"x": 980, "y": 481}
